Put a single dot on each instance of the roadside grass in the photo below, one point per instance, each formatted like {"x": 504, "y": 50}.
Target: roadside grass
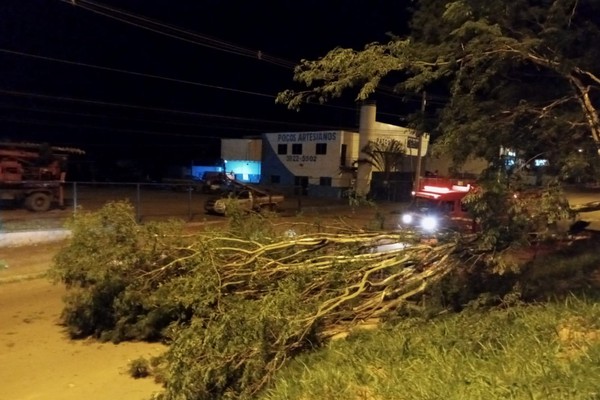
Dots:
{"x": 544, "y": 351}
{"x": 568, "y": 272}
{"x": 32, "y": 224}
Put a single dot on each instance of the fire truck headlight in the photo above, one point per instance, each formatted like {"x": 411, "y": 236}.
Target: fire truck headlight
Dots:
{"x": 407, "y": 219}
{"x": 429, "y": 223}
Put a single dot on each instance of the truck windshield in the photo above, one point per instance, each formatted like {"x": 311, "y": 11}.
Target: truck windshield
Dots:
{"x": 423, "y": 205}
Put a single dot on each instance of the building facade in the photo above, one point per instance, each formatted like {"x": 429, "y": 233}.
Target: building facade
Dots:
{"x": 325, "y": 163}
{"x": 319, "y": 162}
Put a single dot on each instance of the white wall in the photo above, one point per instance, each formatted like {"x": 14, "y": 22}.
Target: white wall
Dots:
{"x": 407, "y": 137}
{"x": 241, "y": 149}
{"x": 443, "y": 164}
{"x": 308, "y": 163}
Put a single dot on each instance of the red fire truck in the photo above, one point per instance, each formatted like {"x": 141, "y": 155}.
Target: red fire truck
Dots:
{"x": 438, "y": 204}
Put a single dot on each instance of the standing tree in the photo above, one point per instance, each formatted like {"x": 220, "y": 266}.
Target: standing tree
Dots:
{"x": 517, "y": 73}
{"x": 385, "y": 156}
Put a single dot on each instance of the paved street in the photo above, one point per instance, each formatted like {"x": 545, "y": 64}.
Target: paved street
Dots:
{"x": 579, "y": 197}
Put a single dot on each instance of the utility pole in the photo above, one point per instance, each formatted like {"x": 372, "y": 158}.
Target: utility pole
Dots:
{"x": 420, "y": 133}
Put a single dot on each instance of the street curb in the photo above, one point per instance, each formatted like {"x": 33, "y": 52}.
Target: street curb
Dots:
{"x": 16, "y": 239}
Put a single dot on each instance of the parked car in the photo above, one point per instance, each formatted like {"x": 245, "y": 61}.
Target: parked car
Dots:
{"x": 216, "y": 185}
{"x": 246, "y": 198}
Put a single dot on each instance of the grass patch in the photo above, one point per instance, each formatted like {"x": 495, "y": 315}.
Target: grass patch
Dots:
{"x": 557, "y": 275}
{"x": 549, "y": 351}
{"x": 38, "y": 224}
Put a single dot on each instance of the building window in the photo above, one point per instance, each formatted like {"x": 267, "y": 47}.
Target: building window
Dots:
{"x": 412, "y": 143}
{"x": 321, "y": 148}
{"x": 282, "y": 148}
{"x": 325, "y": 181}
{"x": 275, "y": 179}
{"x": 297, "y": 148}
{"x": 301, "y": 181}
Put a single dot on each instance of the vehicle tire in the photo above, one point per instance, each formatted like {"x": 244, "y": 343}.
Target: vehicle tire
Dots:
{"x": 38, "y": 202}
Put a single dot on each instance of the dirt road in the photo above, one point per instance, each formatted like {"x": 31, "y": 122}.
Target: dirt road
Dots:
{"x": 38, "y": 360}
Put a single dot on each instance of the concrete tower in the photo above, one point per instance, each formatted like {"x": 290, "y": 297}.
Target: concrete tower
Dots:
{"x": 366, "y": 131}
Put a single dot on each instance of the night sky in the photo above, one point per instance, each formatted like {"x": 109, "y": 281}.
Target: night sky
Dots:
{"x": 84, "y": 75}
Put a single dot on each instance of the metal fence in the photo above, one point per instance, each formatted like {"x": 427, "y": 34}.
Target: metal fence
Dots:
{"x": 151, "y": 202}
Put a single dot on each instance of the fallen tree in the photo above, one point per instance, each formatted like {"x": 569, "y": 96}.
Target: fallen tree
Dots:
{"x": 235, "y": 304}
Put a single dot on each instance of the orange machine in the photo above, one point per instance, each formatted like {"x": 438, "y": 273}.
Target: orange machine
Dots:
{"x": 33, "y": 175}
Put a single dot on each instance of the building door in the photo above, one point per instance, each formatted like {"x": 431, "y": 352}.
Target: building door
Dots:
{"x": 343, "y": 153}
{"x": 301, "y": 185}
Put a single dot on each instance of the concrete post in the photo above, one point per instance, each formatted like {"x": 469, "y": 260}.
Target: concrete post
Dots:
{"x": 366, "y": 130}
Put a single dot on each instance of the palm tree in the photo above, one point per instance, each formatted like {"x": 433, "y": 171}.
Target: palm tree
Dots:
{"x": 385, "y": 156}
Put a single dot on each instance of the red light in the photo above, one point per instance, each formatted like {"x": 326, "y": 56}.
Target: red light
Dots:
{"x": 435, "y": 189}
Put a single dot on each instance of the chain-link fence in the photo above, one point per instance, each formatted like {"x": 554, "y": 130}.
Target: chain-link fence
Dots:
{"x": 151, "y": 202}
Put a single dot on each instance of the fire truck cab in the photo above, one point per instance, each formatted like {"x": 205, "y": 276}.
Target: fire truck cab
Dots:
{"x": 438, "y": 204}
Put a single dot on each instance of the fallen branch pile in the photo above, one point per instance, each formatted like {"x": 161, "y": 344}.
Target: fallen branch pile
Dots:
{"x": 367, "y": 283}
{"x": 235, "y": 308}
{"x": 273, "y": 300}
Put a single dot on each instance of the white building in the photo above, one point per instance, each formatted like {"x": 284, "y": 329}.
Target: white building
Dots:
{"x": 324, "y": 163}
{"x": 319, "y": 160}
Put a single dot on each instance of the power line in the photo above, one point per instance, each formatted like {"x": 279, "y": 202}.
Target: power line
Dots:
{"x": 141, "y": 74}
{"x": 177, "y": 112}
{"x": 123, "y": 130}
{"x": 145, "y": 120}
{"x": 204, "y": 40}
{"x": 157, "y": 109}
{"x": 152, "y": 133}
{"x": 122, "y": 105}
{"x": 169, "y": 79}
{"x": 92, "y": 115}
{"x": 208, "y": 42}
{"x": 178, "y": 33}
{"x": 79, "y": 126}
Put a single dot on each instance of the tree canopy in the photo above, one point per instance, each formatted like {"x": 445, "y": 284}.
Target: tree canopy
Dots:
{"x": 521, "y": 74}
